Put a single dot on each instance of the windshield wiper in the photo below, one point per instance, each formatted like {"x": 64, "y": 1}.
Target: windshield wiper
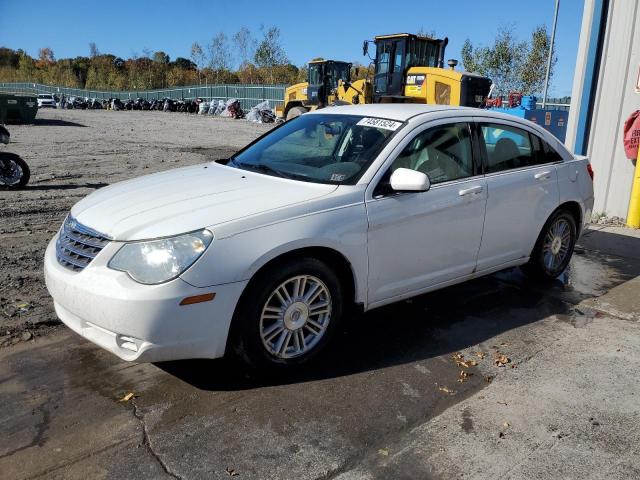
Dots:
{"x": 260, "y": 167}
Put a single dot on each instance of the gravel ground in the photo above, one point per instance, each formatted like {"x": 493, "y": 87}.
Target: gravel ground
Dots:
{"x": 71, "y": 153}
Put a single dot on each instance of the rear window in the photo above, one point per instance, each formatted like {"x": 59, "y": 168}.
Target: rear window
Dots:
{"x": 507, "y": 147}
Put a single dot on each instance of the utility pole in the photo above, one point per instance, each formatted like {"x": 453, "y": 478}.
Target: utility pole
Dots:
{"x": 550, "y": 58}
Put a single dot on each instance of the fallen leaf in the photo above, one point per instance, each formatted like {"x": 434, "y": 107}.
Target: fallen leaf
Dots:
{"x": 457, "y": 356}
{"x": 384, "y": 452}
{"x": 506, "y": 424}
{"x": 515, "y": 365}
{"x": 446, "y": 390}
{"x": 500, "y": 360}
{"x": 231, "y": 472}
{"x": 467, "y": 363}
{"x": 464, "y": 376}
{"x": 488, "y": 379}
{"x": 480, "y": 355}
{"x": 501, "y": 435}
{"x": 127, "y": 397}
{"x": 502, "y": 403}
{"x": 504, "y": 344}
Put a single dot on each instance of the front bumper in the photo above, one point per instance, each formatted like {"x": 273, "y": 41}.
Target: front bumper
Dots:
{"x": 143, "y": 323}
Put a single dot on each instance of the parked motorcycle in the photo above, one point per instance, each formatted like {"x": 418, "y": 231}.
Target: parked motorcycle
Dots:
{"x": 14, "y": 171}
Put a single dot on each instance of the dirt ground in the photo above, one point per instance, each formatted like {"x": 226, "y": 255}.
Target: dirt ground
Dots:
{"x": 71, "y": 153}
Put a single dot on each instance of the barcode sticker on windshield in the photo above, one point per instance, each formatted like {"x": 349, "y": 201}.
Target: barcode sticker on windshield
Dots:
{"x": 380, "y": 123}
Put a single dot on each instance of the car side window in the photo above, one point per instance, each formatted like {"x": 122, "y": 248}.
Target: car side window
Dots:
{"x": 444, "y": 153}
{"x": 550, "y": 154}
{"x": 508, "y": 147}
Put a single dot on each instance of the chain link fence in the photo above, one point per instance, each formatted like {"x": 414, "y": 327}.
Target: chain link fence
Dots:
{"x": 248, "y": 95}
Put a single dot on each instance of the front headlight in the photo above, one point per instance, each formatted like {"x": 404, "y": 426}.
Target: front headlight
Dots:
{"x": 158, "y": 261}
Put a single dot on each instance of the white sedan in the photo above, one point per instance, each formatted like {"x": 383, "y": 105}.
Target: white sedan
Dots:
{"x": 46, "y": 100}
{"x": 263, "y": 255}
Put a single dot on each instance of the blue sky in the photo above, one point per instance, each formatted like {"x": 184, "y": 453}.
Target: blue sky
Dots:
{"x": 125, "y": 27}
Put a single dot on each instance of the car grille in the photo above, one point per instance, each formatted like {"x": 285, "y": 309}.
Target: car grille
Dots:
{"x": 77, "y": 245}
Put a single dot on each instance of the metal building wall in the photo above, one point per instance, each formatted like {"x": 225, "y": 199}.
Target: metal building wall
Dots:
{"x": 600, "y": 122}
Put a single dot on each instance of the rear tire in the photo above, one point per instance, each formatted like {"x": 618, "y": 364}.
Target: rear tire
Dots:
{"x": 20, "y": 172}
{"x": 295, "y": 112}
{"x": 287, "y": 315}
{"x": 554, "y": 247}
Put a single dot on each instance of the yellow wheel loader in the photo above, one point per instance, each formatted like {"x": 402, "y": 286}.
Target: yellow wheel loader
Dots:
{"x": 409, "y": 68}
{"x": 328, "y": 84}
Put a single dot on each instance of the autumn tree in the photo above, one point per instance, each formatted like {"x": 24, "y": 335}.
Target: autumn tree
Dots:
{"x": 219, "y": 56}
{"x": 93, "y": 50}
{"x": 45, "y": 55}
{"x": 199, "y": 57}
{"x": 270, "y": 53}
{"x": 511, "y": 64}
{"x": 245, "y": 46}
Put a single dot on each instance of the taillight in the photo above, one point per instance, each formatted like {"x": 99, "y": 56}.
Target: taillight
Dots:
{"x": 590, "y": 170}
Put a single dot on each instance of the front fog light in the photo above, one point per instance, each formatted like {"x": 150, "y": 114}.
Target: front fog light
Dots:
{"x": 158, "y": 261}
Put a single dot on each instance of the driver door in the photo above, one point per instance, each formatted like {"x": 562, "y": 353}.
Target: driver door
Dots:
{"x": 421, "y": 240}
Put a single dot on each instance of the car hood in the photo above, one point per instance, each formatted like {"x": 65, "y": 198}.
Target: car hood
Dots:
{"x": 187, "y": 199}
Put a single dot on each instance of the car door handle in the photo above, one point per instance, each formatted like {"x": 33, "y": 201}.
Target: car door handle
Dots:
{"x": 542, "y": 175}
{"x": 470, "y": 190}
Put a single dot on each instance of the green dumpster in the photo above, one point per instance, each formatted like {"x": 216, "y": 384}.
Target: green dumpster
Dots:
{"x": 18, "y": 108}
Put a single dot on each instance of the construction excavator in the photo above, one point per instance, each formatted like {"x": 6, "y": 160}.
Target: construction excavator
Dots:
{"x": 407, "y": 69}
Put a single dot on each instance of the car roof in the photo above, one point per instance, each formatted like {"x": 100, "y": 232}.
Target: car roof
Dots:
{"x": 404, "y": 111}
{"x": 393, "y": 111}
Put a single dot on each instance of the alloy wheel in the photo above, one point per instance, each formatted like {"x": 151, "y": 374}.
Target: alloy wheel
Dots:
{"x": 295, "y": 316}
{"x": 557, "y": 243}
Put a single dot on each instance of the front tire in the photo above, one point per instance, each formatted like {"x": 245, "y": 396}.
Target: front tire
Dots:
{"x": 288, "y": 315}
{"x": 554, "y": 247}
{"x": 14, "y": 171}
{"x": 295, "y": 112}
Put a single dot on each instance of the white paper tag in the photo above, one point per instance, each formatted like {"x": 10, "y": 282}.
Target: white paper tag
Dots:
{"x": 380, "y": 123}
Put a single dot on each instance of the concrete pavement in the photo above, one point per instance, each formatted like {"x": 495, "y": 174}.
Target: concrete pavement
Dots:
{"x": 390, "y": 401}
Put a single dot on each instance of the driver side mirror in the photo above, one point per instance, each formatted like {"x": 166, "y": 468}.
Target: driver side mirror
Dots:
{"x": 365, "y": 48}
{"x": 407, "y": 180}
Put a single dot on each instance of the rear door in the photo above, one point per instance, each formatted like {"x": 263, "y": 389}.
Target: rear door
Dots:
{"x": 522, "y": 187}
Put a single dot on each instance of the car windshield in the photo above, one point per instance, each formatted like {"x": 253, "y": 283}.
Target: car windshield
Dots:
{"x": 44, "y": 95}
{"x": 319, "y": 148}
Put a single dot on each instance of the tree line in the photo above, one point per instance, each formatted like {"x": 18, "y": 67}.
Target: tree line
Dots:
{"x": 513, "y": 65}
{"x": 240, "y": 58}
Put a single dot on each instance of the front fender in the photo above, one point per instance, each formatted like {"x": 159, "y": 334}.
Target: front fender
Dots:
{"x": 238, "y": 257}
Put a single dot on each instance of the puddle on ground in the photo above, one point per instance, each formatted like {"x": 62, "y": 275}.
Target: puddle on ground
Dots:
{"x": 579, "y": 317}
